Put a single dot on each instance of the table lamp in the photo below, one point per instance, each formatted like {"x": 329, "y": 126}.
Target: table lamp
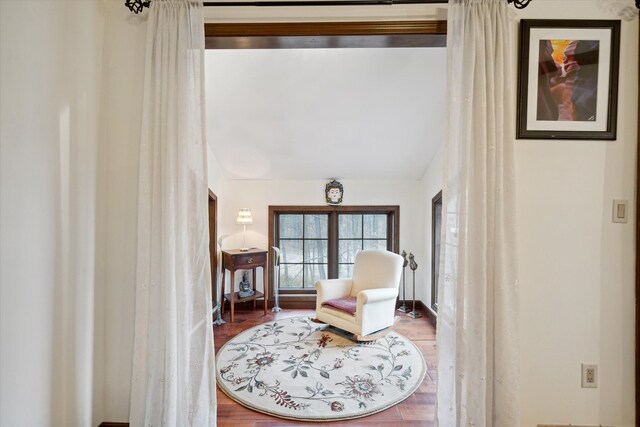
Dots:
{"x": 244, "y": 218}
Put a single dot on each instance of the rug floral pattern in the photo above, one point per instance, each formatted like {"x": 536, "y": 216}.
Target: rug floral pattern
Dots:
{"x": 295, "y": 368}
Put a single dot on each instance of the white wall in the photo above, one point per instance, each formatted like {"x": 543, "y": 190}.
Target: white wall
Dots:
{"x": 576, "y": 266}
{"x": 50, "y": 86}
{"x": 257, "y": 195}
{"x": 432, "y": 184}
{"x": 216, "y": 177}
{"x": 124, "y": 54}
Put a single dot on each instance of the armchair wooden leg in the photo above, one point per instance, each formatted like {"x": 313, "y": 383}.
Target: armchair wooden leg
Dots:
{"x": 381, "y": 333}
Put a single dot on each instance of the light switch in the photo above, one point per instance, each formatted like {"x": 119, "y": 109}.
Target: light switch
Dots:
{"x": 620, "y": 211}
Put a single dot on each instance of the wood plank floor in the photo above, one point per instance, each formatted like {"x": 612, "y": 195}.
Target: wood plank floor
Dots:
{"x": 417, "y": 410}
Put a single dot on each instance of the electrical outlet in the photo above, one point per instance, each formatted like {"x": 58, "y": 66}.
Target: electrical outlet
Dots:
{"x": 589, "y": 376}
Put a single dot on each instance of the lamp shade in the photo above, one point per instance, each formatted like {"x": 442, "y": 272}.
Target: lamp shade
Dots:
{"x": 244, "y": 217}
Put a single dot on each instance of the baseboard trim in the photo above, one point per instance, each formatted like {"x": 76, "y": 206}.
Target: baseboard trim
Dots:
{"x": 309, "y": 302}
{"x": 296, "y": 301}
{"x": 420, "y": 306}
{"x": 569, "y": 425}
{"x": 430, "y": 314}
{"x": 112, "y": 424}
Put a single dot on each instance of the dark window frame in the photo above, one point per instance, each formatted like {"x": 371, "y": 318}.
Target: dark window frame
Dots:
{"x": 302, "y": 239}
{"x": 437, "y": 200}
{"x": 393, "y": 233}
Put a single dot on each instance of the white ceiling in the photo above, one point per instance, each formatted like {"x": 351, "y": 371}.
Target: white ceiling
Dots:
{"x": 325, "y": 113}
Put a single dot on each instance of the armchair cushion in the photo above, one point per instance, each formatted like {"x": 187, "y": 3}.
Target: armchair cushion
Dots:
{"x": 330, "y": 289}
{"x": 345, "y": 304}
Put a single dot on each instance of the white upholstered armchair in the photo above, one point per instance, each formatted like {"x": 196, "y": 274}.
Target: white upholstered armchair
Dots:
{"x": 366, "y": 303}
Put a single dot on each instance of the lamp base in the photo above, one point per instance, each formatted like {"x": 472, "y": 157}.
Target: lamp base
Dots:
{"x": 403, "y": 309}
{"x": 414, "y": 314}
{"x": 244, "y": 249}
{"x": 276, "y": 309}
{"x": 218, "y": 321}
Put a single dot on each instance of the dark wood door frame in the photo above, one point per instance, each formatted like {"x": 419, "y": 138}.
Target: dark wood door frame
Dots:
{"x": 434, "y": 286}
{"x": 213, "y": 244}
{"x": 285, "y": 35}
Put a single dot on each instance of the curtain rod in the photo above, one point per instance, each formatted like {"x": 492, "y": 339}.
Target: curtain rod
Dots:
{"x": 276, "y": 3}
{"x": 137, "y": 6}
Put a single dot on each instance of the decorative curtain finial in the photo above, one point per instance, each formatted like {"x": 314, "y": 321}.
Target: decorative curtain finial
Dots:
{"x": 521, "y": 4}
{"x": 137, "y": 6}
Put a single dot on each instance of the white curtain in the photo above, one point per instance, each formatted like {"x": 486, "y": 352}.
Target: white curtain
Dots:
{"x": 173, "y": 380}
{"x": 477, "y": 336}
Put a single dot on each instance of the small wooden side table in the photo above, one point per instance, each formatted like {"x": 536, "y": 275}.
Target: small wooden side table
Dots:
{"x": 235, "y": 259}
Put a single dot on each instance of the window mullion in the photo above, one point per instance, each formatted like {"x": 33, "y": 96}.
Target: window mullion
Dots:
{"x": 304, "y": 218}
{"x": 332, "y": 268}
{"x": 362, "y": 232}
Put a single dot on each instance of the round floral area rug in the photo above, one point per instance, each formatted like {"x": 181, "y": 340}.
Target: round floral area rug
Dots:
{"x": 297, "y": 369}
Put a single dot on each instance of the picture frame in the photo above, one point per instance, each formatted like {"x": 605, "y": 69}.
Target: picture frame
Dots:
{"x": 568, "y": 79}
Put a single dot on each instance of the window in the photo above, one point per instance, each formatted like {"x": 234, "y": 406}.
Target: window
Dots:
{"x": 436, "y": 228}
{"x": 320, "y": 242}
{"x": 357, "y": 232}
{"x": 304, "y": 246}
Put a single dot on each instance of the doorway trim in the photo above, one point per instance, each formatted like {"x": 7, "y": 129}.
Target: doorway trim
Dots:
{"x": 290, "y": 29}
{"x": 213, "y": 245}
{"x": 288, "y": 35}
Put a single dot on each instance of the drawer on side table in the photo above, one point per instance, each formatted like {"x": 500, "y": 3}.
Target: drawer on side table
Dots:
{"x": 248, "y": 261}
